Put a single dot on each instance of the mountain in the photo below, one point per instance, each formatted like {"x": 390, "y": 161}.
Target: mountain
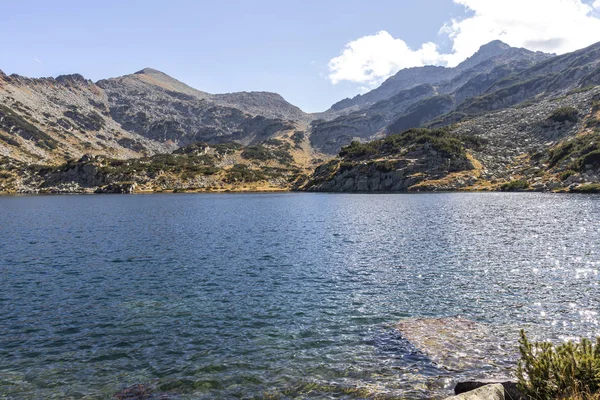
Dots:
{"x": 408, "y": 78}
{"x": 549, "y": 145}
{"x": 504, "y": 118}
{"x": 510, "y": 119}
{"x": 49, "y": 120}
{"x": 438, "y": 91}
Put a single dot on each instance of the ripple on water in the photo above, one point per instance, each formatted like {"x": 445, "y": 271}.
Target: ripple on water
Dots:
{"x": 290, "y": 295}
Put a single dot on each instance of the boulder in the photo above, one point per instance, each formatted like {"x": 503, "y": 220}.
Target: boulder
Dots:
{"x": 511, "y": 392}
{"x": 118, "y": 188}
{"x": 487, "y": 392}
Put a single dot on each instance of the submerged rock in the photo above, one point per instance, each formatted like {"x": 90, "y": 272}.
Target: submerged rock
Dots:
{"x": 455, "y": 344}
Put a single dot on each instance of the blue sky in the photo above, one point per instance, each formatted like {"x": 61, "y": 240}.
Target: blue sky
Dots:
{"x": 232, "y": 45}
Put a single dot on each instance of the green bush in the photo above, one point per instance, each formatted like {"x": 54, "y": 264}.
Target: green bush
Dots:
{"x": 549, "y": 372}
{"x": 564, "y": 114}
{"x": 566, "y": 174}
{"x": 441, "y": 140}
{"x": 258, "y": 153}
{"x": 583, "y": 149}
{"x": 516, "y": 185}
{"x": 589, "y": 188}
{"x": 240, "y": 173}
{"x": 298, "y": 138}
{"x": 226, "y": 148}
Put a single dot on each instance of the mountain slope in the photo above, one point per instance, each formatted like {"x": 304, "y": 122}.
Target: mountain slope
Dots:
{"x": 451, "y": 86}
{"x": 550, "y": 145}
{"x": 50, "y": 120}
{"x": 43, "y": 120}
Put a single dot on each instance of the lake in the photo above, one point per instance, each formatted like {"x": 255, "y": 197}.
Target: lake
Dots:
{"x": 291, "y": 295}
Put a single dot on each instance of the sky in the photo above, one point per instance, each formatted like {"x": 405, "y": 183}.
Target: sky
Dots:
{"x": 313, "y": 53}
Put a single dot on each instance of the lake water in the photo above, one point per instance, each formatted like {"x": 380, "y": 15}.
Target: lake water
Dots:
{"x": 281, "y": 295}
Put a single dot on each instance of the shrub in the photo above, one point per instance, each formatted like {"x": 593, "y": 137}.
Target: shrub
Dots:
{"x": 385, "y": 166}
{"x": 589, "y": 188}
{"x": 592, "y": 158}
{"x": 298, "y": 138}
{"x": 564, "y": 114}
{"x": 441, "y": 140}
{"x": 357, "y": 149}
{"x": 259, "y": 153}
{"x": 548, "y": 372}
{"x": 516, "y": 185}
{"x": 226, "y": 148}
{"x": 240, "y": 173}
{"x": 566, "y": 174}
{"x": 583, "y": 149}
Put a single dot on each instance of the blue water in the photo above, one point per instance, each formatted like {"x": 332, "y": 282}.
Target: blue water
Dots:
{"x": 279, "y": 295}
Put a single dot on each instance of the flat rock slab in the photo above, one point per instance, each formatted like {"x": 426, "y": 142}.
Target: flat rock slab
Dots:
{"x": 487, "y": 392}
{"x": 455, "y": 344}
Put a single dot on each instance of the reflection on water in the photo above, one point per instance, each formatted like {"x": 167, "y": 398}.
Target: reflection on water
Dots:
{"x": 286, "y": 295}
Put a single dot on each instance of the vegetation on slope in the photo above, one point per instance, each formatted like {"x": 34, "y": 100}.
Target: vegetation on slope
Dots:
{"x": 564, "y": 114}
{"x": 441, "y": 140}
{"x": 577, "y": 153}
{"x": 569, "y": 370}
{"x": 199, "y": 166}
{"x": 12, "y": 122}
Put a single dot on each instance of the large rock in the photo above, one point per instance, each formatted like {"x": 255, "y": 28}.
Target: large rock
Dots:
{"x": 487, "y": 392}
{"x": 510, "y": 387}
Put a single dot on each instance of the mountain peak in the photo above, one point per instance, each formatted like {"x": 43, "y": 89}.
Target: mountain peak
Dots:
{"x": 485, "y": 52}
{"x": 149, "y": 71}
{"x": 495, "y": 45}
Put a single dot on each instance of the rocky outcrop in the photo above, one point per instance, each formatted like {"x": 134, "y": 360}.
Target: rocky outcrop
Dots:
{"x": 117, "y": 188}
{"x": 391, "y": 175}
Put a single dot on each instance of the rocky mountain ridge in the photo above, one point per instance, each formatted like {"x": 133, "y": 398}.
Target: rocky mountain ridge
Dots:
{"x": 491, "y": 121}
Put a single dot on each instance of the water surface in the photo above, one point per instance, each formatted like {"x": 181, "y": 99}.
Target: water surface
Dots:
{"x": 282, "y": 295}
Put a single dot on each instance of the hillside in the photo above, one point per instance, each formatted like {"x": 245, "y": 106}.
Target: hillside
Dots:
{"x": 51, "y": 120}
{"x": 274, "y": 165}
{"x": 551, "y": 145}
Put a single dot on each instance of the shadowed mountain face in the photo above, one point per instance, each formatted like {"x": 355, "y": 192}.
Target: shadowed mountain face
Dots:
{"x": 429, "y": 93}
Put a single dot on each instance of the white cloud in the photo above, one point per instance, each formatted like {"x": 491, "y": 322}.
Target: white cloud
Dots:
{"x": 556, "y": 26}
{"x": 371, "y": 59}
